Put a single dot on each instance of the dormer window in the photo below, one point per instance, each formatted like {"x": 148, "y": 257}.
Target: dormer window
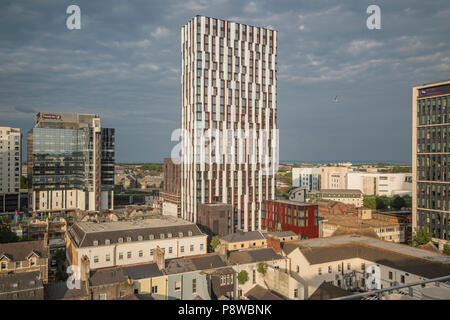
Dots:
{"x": 151, "y": 237}
{"x": 128, "y": 239}
{"x": 169, "y": 235}
{"x": 3, "y": 266}
{"x": 95, "y": 242}
{"x": 161, "y": 235}
{"x": 180, "y": 234}
{"x": 120, "y": 240}
{"x": 140, "y": 238}
{"x": 32, "y": 262}
{"x": 190, "y": 233}
{"x": 107, "y": 241}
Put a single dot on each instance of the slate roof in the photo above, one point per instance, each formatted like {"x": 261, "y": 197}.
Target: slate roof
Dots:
{"x": 143, "y": 271}
{"x": 20, "y": 281}
{"x": 253, "y": 255}
{"x": 241, "y": 236}
{"x": 260, "y": 293}
{"x": 83, "y": 234}
{"x": 59, "y": 291}
{"x": 204, "y": 262}
{"x": 328, "y": 291}
{"x": 19, "y": 251}
{"x": 103, "y": 277}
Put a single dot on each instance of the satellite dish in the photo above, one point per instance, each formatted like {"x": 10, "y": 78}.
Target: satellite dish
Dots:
{"x": 335, "y": 99}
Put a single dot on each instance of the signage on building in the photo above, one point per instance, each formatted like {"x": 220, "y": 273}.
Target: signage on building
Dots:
{"x": 51, "y": 116}
{"x": 424, "y": 93}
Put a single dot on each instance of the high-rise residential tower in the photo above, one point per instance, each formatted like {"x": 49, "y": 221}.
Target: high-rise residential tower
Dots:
{"x": 10, "y": 168}
{"x": 70, "y": 163}
{"x": 229, "y": 128}
{"x": 431, "y": 159}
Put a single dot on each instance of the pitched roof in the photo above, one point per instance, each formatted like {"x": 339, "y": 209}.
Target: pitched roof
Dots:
{"x": 328, "y": 291}
{"x": 253, "y": 255}
{"x": 84, "y": 234}
{"x": 143, "y": 271}
{"x": 59, "y": 290}
{"x": 198, "y": 263}
{"x": 260, "y": 293}
{"x": 107, "y": 276}
{"x": 241, "y": 236}
{"x": 20, "y": 281}
{"x": 19, "y": 251}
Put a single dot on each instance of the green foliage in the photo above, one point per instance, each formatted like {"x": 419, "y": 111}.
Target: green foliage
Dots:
{"x": 408, "y": 201}
{"x": 421, "y": 236}
{"x": 446, "y": 249}
{"x": 215, "y": 242}
{"x": 242, "y": 277}
{"x": 24, "y": 182}
{"x": 262, "y": 268}
{"x": 139, "y": 176}
{"x": 382, "y": 203}
{"x": 153, "y": 167}
{"x": 370, "y": 202}
{"x": 6, "y": 235}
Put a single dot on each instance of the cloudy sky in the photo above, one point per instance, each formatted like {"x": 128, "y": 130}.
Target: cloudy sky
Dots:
{"x": 125, "y": 61}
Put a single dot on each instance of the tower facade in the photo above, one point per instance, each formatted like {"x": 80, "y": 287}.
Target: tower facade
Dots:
{"x": 229, "y": 149}
{"x": 431, "y": 159}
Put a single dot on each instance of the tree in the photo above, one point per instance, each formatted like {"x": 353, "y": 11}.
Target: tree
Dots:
{"x": 215, "y": 242}
{"x": 262, "y": 268}
{"x": 421, "y": 236}
{"x": 398, "y": 203}
{"x": 370, "y": 202}
{"x": 242, "y": 277}
{"x": 446, "y": 249}
{"x": 6, "y": 235}
{"x": 24, "y": 182}
{"x": 408, "y": 201}
{"x": 380, "y": 203}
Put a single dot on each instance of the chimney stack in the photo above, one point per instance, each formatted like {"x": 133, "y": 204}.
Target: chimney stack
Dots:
{"x": 85, "y": 268}
{"x": 158, "y": 258}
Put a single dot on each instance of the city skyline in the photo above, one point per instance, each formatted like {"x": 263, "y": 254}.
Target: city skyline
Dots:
{"x": 129, "y": 72}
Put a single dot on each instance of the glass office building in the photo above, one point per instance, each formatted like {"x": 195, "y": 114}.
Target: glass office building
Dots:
{"x": 431, "y": 159}
{"x": 71, "y": 163}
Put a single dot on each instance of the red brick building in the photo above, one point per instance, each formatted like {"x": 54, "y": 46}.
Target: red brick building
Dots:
{"x": 285, "y": 215}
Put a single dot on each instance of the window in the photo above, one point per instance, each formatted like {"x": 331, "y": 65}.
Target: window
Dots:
{"x": 177, "y": 285}
{"x": 155, "y": 289}
{"x": 18, "y": 264}
{"x": 128, "y": 239}
{"x": 108, "y": 257}
{"x": 32, "y": 262}
{"x": 120, "y": 240}
{"x": 330, "y": 269}
{"x": 191, "y": 247}
{"x": 390, "y": 275}
{"x": 170, "y": 249}
{"x": 298, "y": 269}
{"x": 161, "y": 235}
{"x": 3, "y": 266}
{"x": 95, "y": 259}
{"x": 295, "y": 293}
{"x": 320, "y": 271}
{"x": 120, "y": 255}
{"x": 402, "y": 279}
{"x": 201, "y": 246}
{"x": 194, "y": 286}
{"x": 254, "y": 276}
{"x": 363, "y": 266}
{"x": 141, "y": 253}
{"x": 140, "y": 238}
{"x": 107, "y": 241}
{"x": 95, "y": 242}
{"x": 102, "y": 296}
{"x": 129, "y": 254}
{"x": 152, "y": 251}
{"x": 182, "y": 249}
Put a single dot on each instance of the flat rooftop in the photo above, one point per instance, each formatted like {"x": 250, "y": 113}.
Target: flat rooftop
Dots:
{"x": 352, "y": 221}
{"x": 385, "y": 245}
{"x": 160, "y": 222}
